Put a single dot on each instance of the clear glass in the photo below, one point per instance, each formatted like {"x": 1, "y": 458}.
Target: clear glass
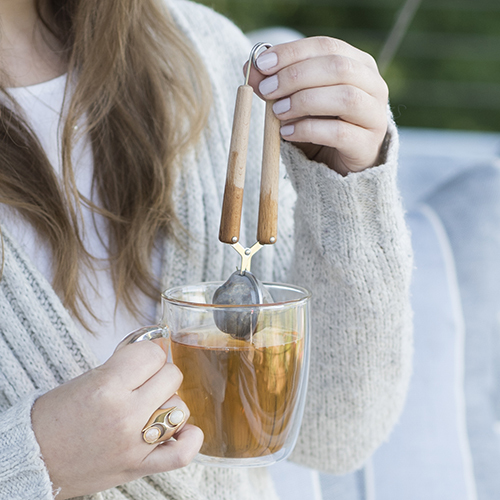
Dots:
{"x": 248, "y": 395}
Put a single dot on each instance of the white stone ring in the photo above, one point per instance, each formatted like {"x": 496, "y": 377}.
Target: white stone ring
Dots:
{"x": 163, "y": 424}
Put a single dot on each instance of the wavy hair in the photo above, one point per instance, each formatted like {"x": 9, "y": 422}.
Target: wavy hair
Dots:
{"x": 144, "y": 99}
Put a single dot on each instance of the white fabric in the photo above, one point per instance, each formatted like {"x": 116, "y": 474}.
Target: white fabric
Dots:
{"x": 42, "y": 103}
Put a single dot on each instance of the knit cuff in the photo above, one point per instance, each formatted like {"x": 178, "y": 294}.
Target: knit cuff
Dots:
{"x": 23, "y": 473}
{"x": 361, "y": 211}
{"x": 305, "y": 173}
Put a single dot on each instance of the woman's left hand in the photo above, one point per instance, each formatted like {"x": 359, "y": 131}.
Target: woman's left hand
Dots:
{"x": 330, "y": 98}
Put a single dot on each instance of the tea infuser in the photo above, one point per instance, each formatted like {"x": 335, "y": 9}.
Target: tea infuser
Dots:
{"x": 243, "y": 287}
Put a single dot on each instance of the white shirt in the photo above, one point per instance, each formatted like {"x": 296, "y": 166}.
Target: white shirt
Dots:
{"x": 42, "y": 104}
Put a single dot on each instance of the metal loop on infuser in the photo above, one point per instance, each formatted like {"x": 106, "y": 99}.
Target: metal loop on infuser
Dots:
{"x": 254, "y": 53}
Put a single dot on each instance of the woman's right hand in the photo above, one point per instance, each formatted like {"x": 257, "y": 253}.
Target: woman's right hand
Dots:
{"x": 89, "y": 429}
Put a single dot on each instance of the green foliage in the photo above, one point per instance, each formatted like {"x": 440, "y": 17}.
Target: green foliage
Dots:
{"x": 446, "y": 72}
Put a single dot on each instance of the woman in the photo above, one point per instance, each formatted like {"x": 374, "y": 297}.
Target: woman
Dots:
{"x": 115, "y": 124}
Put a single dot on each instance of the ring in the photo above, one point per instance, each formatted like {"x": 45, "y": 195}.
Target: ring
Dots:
{"x": 163, "y": 424}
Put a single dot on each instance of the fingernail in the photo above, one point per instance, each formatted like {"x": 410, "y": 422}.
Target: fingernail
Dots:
{"x": 268, "y": 85}
{"x": 281, "y": 106}
{"x": 287, "y": 129}
{"x": 267, "y": 60}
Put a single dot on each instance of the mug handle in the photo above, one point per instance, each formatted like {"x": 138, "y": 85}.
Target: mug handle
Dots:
{"x": 145, "y": 333}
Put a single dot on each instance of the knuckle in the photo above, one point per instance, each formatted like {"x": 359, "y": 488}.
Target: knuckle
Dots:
{"x": 294, "y": 74}
{"x": 126, "y": 427}
{"x": 341, "y": 67}
{"x": 384, "y": 90}
{"x": 329, "y": 45}
{"x": 183, "y": 458}
{"x": 157, "y": 351}
{"x": 102, "y": 392}
{"x": 370, "y": 60}
{"x": 106, "y": 400}
{"x": 131, "y": 463}
{"x": 305, "y": 129}
{"x": 304, "y": 100}
{"x": 155, "y": 354}
{"x": 175, "y": 372}
{"x": 379, "y": 126}
{"x": 352, "y": 97}
{"x": 342, "y": 133}
{"x": 291, "y": 52}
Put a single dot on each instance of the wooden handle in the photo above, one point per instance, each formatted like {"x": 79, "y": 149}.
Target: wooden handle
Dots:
{"x": 235, "y": 178}
{"x": 267, "y": 230}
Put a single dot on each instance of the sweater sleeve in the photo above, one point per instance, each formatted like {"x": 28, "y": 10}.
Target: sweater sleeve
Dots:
{"x": 352, "y": 250}
{"x": 23, "y": 473}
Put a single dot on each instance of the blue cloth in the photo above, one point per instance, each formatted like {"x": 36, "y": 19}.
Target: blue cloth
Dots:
{"x": 427, "y": 455}
{"x": 469, "y": 206}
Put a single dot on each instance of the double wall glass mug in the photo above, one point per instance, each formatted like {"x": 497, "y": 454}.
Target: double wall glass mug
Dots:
{"x": 247, "y": 395}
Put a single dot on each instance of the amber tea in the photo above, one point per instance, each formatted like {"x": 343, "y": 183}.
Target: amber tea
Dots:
{"x": 241, "y": 394}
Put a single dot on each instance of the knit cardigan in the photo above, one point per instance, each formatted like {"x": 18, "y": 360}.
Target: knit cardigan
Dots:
{"x": 344, "y": 238}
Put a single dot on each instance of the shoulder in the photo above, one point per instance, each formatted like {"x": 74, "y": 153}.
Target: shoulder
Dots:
{"x": 220, "y": 45}
{"x": 209, "y": 30}
{"x": 195, "y": 12}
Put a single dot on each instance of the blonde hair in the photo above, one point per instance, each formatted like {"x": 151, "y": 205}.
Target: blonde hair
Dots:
{"x": 144, "y": 98}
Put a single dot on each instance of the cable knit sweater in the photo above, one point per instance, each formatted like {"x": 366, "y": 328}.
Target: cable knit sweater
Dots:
{"x": 344, "y": 238}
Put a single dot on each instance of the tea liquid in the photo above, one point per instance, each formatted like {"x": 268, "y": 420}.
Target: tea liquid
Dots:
{"x": 241, "y": 394}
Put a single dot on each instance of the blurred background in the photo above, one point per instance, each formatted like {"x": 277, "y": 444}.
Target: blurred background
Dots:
{"x": 440, "y": 58}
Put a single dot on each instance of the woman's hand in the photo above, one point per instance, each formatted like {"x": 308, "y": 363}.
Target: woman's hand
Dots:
{"x": 330, "y": 98}
{"x": 89, "y": 429}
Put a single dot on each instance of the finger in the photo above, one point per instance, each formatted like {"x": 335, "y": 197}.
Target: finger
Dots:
{"x": 176, "y": 453}
{"x": 177, "y": 402}
{"x": 280, "y": 56}
{"x": 343, "y": 101}
{"x": 357, "y": 146}
{"x": 158, "y": 389}
{"x": 175, "y": 409}
{"x": 130, "y": 366}
{"x": 322, "y": 71}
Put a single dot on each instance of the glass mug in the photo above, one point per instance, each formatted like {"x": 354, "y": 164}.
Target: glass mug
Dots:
{"x": 247, "y": 396}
